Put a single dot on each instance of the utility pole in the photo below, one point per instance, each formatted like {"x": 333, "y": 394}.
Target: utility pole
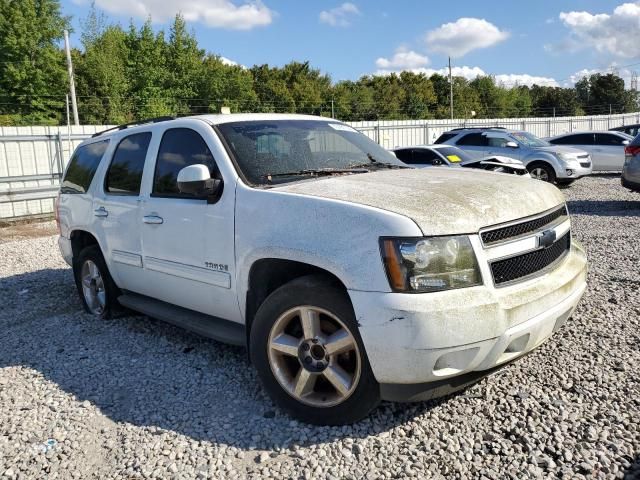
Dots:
{"x": 72, "y": 84}
{"x": 333, "y": 115}
{"x": 450, "y": 89}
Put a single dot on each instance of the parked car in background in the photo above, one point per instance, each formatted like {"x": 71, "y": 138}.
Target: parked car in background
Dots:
{"x": 421, "y": 156}
{"x": 631, "y": 168}
{"x": 349, "y": 277}
{"x": 550, "y": 163}
{"x": 606, "y": 148}
{"x": 632, "y": 130}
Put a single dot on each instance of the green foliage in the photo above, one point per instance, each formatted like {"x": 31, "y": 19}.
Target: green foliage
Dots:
{"x": 32, "y": 69}
{"x": 133, "y": 73}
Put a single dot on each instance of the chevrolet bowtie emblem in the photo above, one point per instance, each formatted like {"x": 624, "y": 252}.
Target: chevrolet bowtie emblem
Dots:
{"x": 546, "y": 238}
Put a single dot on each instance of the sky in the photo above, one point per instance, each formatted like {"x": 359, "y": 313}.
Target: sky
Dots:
{"x": 548, "y": 42}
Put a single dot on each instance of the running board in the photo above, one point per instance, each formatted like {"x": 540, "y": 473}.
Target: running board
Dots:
{"x": 205, "y": 325}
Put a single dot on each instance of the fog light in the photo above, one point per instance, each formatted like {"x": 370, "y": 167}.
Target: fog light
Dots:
{"x": 569, "y": 172}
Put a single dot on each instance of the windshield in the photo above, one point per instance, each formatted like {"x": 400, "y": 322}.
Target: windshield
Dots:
{"x": 529, "y": 140}
{"x": 288, "y": 149}
{"x": 454, "y": 154}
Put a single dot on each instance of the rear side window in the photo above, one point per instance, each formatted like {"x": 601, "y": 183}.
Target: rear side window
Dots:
{"x": 82, "y": 167}
{"x": 125, "y": 172}
{"x": 475, "y": 139}
{"x": 404, "y": 155}
{"x": 179, "y": 148}
{"x": 578, "y": 139}
{"x": 425, "y": 157}
{"x": 607, "y": 139}
{"x": 444, "y": 137}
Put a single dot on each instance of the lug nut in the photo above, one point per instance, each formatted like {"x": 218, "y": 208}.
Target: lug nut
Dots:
{"x": 308, "y": 360}
{"x": 315, "y": 340}
{"x": 305, "y": 347}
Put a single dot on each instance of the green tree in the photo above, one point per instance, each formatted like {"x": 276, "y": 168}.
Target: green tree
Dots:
{"x": 601, "y": 94}
{"x": 101, "y": 76}
{"x": 184, "y": 67}
{"x": 148, "y": 73}
{"x": 33, "y": 79}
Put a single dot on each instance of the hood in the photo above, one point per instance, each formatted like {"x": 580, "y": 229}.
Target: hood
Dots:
{"x": 562, "y": 149}
{"x": 441, "y": 201}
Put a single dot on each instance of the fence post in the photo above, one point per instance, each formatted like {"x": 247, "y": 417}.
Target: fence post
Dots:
{"x": 60, "y": 156}
{"x": 549, "y": 127}
{"x": 376, "y": 133}
{"x": 427, "y": 138}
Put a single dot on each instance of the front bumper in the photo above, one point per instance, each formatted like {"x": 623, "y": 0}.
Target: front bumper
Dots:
{"x": 415, "y": 339}
{"x": 576, "y": 169}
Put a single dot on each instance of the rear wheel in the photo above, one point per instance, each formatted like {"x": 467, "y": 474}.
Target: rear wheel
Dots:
{"x": 97, "y": 290}
{"x": 542, "y": 171}
{"x": 307, "y": 349}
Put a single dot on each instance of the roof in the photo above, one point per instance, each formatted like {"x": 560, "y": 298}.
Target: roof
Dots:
{"x": 216, "y": 119}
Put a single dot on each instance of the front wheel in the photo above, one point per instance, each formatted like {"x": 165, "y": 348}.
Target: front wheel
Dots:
{"x": 542, "y": 171}
{"x": 309, "y": 355}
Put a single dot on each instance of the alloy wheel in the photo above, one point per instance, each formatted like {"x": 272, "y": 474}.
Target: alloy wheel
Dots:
{"x": 314, "y": 356}
{"x": 93, "y": 287}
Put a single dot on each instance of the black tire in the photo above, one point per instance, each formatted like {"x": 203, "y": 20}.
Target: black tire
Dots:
{"x": 545, "y": 168}
{"x": 314, "y": 291}
{"x": 565, "y": 183}
{"x": 111, "y": 292}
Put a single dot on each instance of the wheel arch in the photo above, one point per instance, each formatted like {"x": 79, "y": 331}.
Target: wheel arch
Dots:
{"x": 81, "y": 239}
{"x": 268, "y": 274}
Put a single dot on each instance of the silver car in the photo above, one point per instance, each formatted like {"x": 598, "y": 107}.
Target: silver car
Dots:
{"x": 631, "y": 168}
{"x": 550, "y": 163}
{"x": 606, "y": 148}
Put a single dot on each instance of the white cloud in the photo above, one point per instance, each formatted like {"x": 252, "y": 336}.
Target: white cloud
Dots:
{"x": 339, "y": 16}
{"x": 213, "y": 13}
{"x": 509, "y": 80}
{"x": 623, "y": 73}
{"x": 512, "y": 80}
{"x": 616, "y": 34}
{"x": 464, "y": 35}
{"x": 231, "y": 63}
{"x": 403, "y": 59}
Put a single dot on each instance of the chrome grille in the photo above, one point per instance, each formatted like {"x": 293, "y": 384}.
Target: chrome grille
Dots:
{"x": 521, "y": 266}
{"x": 501, "y": 234}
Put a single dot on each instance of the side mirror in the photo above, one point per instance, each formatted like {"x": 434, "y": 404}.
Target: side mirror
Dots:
{"x": 196, "y": 180}
{"x": 511, "y": 145}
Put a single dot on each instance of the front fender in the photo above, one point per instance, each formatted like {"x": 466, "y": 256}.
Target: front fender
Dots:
{"x": 337, "y": 236}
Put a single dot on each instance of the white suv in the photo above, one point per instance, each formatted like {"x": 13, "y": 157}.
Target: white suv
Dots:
{"x": 350, "y": 277}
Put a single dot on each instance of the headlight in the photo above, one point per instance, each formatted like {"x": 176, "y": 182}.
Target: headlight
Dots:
{"x": 430, "y": 264}
{"x": 567, "y": 157}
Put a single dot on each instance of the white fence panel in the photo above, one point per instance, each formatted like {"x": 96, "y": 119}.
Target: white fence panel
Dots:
{"x": 36, "y": 156}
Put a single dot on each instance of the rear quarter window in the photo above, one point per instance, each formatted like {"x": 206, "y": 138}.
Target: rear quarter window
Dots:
{"x": 82, "y": 167}
{"x": 444, "y": 137}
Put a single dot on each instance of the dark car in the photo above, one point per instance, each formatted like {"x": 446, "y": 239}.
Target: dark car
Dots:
{"x": 631, "y": 168}
{"x": 632, "y": 130}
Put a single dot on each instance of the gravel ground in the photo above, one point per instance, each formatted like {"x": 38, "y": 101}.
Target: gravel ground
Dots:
{"x": 135, "y": 398}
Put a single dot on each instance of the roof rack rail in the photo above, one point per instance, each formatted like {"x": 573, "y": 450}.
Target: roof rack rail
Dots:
{"x": 478, "y": 128}
{"x": 139, "y": 122}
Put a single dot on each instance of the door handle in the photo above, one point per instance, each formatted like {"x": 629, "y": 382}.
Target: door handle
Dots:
{"x": 101, "y": 212}
{"x": 153, "y": 219}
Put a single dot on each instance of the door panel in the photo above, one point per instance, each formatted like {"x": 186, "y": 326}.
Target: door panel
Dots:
{"x": 117, "y": 211}
{"x": 188, "y": 247}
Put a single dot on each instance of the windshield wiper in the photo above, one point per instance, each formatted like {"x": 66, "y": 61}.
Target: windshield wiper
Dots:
{"x": 375, "y": 163}
{"x": 313, "y": 172}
